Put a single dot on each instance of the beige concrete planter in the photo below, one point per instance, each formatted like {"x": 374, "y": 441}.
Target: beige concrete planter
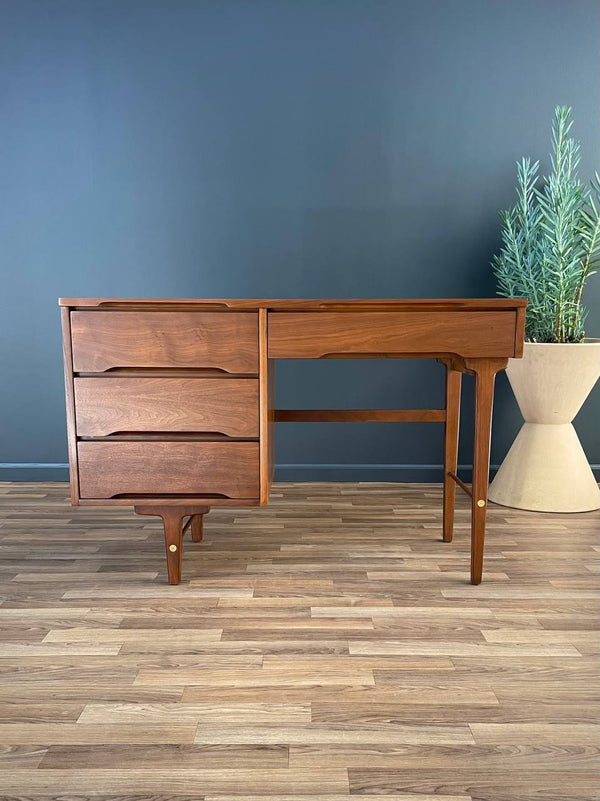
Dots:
{"x": 546, "y": 469}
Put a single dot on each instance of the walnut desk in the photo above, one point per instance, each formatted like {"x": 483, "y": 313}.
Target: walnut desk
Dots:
{"x": 170, "y": 403}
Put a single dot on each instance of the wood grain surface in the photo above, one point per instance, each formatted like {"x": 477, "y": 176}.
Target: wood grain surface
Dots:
{"x": 327, "y": 647}
{"x": 314, "y": 335}
{"x": 267, "y": 413}
{"x": 65, "y": 322}
{"x": 119, "y": 404}
{"x": 160, "y": 468}
{"x": 360, "y": 415}
{"x": 112, "y": 339}
{"x": 303, "y": 304}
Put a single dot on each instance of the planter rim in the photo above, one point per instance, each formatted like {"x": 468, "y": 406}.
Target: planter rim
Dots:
{"x": 586, "y": 341}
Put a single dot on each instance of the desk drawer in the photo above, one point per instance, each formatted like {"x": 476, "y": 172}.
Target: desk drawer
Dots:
{"x": 111, "y": 339}
{"x": 119, "y": 404}
{"x": 108, "y": 469}
{"x": 309, "y": 335}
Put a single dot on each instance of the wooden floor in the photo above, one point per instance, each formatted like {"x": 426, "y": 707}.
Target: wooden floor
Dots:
{"x": 324, "y": 647}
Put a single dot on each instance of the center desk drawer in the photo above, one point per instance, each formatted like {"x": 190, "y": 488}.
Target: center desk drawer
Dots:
{"x": 118, "y": 405}
{"x": 111, "y": 339}
{"x": 308, "y": 335}
{"x": 109, "y": 469}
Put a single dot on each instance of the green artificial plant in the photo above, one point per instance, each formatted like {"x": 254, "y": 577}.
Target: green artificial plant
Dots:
{"x": 551, "y": 241}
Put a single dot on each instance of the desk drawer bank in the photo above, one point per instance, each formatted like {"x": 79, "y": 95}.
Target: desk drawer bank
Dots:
{"x": 170, "y": 405}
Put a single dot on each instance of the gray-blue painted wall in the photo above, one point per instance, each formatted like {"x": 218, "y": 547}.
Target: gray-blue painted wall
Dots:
{"x": 286, "y": 148}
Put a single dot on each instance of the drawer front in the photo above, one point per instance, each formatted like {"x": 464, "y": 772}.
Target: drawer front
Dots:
{"x": 110, "y": 339}
{"x": 114, "y": 405}
{"x": 108, "y": 469}
{"x": 315, "y": 335}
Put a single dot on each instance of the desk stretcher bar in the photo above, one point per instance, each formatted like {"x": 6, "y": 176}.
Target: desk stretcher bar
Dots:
{"x": 360, "y": 415}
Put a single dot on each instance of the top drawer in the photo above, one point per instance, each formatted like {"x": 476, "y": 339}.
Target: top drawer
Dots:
{"x": 314, "y": 335}
{"x": 110, "y": 339}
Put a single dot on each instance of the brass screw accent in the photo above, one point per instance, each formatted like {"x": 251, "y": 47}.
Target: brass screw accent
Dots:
{"x": 481, "y": 502}
{"x": 172, "y": 548}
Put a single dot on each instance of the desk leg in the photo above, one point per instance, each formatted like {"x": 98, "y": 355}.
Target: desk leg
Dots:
{"x": 485, "y": 374}
{"x": 197, "y": 527}
{"x": 453, "y": 384}
{"x": 172, "y": 517}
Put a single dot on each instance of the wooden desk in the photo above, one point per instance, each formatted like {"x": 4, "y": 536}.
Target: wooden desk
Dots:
{"x": 170, "y": 403}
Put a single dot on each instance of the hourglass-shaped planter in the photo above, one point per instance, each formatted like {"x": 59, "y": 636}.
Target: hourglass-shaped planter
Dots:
{"x": 546, "y": 469}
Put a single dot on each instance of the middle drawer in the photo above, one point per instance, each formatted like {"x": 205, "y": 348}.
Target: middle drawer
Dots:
{"x": 105, "y": 406}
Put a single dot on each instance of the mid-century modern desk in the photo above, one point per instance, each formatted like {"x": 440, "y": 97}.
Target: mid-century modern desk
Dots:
{"x": 170, "y": 403}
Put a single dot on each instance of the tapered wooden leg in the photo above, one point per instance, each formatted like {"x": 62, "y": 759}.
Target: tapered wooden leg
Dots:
{"x": 173, "y": 523}
{"x": 197, "y": 527}
{"x": 453, "y": 384}
{"x": 172, "y": 517}
{"x": 485, "y": 373}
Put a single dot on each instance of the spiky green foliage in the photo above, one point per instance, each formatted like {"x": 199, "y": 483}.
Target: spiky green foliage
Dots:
{"x": 551, "y": 240}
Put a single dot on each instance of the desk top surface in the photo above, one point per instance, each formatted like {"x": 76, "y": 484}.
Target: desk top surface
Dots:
{"x": 308, "y": 304}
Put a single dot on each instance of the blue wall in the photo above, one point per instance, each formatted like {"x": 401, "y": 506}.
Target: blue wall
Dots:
{"x": 286, "y": 148}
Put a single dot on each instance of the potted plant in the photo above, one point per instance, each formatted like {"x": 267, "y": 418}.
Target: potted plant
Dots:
{"x": 550, "y": 247}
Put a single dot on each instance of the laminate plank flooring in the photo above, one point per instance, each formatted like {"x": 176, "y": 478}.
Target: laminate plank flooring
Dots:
{"x": 328, "y": 646}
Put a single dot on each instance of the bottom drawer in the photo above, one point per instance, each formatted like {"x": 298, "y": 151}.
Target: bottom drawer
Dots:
{"x": 109, "y": 469}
